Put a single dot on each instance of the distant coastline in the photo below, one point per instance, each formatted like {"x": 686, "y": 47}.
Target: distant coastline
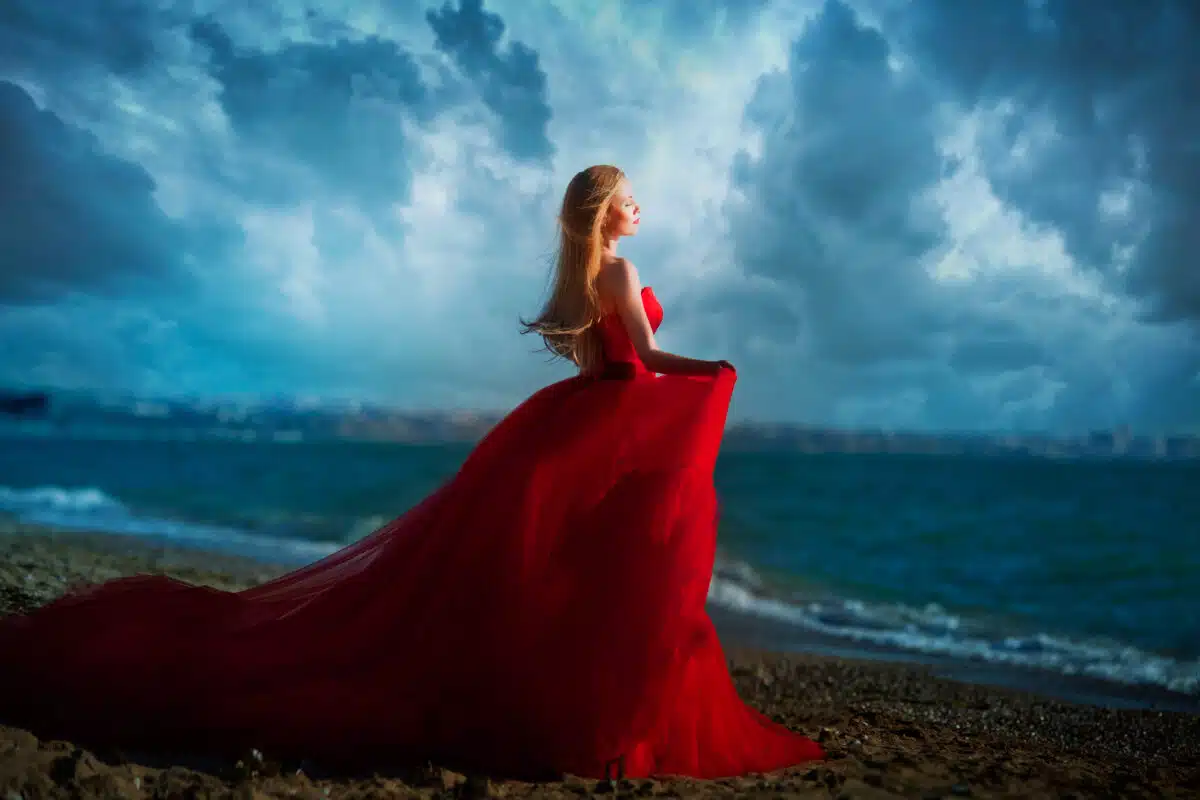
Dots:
{"x": 283, "y": 420}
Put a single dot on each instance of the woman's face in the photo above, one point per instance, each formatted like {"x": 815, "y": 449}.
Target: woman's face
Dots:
{"x": 624, "y": 214}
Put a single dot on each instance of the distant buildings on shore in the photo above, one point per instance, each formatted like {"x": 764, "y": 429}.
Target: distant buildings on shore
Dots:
{"x": 284, "y": 420}
{"x": 1098, "y": 444}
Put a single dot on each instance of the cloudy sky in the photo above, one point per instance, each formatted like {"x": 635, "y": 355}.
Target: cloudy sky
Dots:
{"x": 936, "y": 214}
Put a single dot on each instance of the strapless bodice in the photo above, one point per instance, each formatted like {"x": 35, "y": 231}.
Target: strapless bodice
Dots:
{"x": 620, "y": 357}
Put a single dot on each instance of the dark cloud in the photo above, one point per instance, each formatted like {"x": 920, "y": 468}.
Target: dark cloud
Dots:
{"x": 1117, "y": 84}
{"x": 835, "y": 216}
{"x": 74, "y": 217}
{"x": 510, "y": 81}
{"x": 116, "y": 34}
{"x": 332, "y": 107}
{"x": 832, "y": 212}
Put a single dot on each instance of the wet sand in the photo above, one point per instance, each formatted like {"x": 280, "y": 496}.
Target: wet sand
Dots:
{"x": 891, "y": 729}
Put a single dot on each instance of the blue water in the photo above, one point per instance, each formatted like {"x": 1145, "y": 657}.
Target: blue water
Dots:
{"x": 1088, "y": 567}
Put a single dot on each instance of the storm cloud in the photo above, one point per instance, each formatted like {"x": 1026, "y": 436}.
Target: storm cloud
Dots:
{"x": 1102, "y": 102}
{"x": 878, "y": 150}
{"x": 116, "y": 35}
{"x": 510, "y": 81}
{"x": 886, "y": 213}
{"x": 73, "y": 217}
{"x": 338, "y": 107}
{"x": 835, "y": 211}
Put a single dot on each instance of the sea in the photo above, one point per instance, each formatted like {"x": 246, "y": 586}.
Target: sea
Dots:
{"x": 1086, "y": 569}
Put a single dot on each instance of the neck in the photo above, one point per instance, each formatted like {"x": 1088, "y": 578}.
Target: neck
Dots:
{"x": 610, "y": 247}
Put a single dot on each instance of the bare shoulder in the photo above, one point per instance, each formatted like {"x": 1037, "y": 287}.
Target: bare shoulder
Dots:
{"x": 619, "y": 276}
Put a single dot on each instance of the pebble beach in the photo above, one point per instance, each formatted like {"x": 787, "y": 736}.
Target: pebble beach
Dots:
{"x": 890, "y": 729}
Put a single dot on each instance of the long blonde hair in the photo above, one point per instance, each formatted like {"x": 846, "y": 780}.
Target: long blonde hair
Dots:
{"x": 566, "y": 322}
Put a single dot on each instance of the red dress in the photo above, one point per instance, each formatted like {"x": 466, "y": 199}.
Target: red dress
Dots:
{"x": 542, "y": 613}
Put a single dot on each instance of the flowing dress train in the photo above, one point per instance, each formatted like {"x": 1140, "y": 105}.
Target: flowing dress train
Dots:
{"x": 541, "y": 613}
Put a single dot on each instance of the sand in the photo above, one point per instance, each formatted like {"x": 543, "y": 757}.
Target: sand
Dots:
{"x": 891, "y": 730}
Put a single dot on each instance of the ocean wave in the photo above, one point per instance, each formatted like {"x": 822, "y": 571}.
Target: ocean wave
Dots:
{"x": 90, "y": 509}
{"x": 55, "y": 499}
{"x": 929, "y": 630}
{"x": 933, "y": 631}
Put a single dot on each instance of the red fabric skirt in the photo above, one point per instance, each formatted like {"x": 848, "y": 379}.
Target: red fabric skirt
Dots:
{"x": 541, "y": 613}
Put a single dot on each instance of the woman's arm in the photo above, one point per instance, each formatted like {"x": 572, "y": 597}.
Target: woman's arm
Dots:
{"x": 620, "y": 284}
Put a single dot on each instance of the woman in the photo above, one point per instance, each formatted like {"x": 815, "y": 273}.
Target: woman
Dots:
{"x": 541, "y": 613}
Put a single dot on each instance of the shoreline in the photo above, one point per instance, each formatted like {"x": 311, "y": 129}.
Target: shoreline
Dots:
{"x": 122, "y": 552}
{"x": 764, "y": 635}
{"x": 893, "y": 726}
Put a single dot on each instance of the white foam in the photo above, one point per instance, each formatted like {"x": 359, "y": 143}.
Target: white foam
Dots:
{"x": 53, "y": 498}
{"x": 90, "y": 509}
{"x": 932, "y": 631}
